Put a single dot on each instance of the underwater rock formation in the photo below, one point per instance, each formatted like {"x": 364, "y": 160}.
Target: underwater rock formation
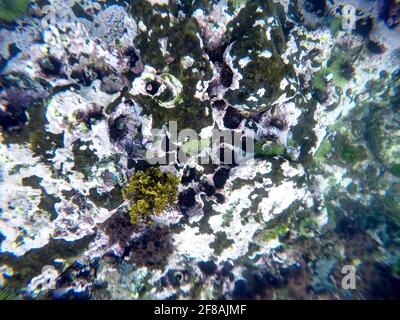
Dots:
{"x": 90, "y": 89}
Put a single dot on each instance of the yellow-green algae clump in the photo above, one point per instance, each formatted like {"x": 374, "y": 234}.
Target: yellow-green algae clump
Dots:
{"x": 150, "y": 192}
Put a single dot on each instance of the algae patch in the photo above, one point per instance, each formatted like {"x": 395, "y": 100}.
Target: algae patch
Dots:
{"x": 150, "y": 192}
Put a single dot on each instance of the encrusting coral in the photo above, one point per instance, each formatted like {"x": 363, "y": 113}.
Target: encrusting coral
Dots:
{"x": 150, "y": 192}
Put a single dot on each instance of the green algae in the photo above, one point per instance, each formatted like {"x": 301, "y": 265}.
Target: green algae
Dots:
{"x": 307, "y": 226}
{"x": 347, "y": 150}
{"x": 8, "y": 293}
{"x": 150, "y": 192}
{"x": 319, "y": 80}
{"x": 249, "y": 40}
{"x": 395, "y": 170}
{"x": 148, "y": 45}
{"x": 264, "y": 148}
{"x": 323, "y": 150}
{"x": 221, "y": 242}
{"x": 260, "y": 73}
{"x": 376, "y": 87}
{"x": 192, "y": 114}
{"x": 341, "y": 70}
{"x": 237, "y": 3}
{"x": 304, "y": 128}
{"x": 11, "y": 10}
{"x": 382, "y": 137}
{"x": 351, "y": 154}
{"x": 42, "y": 143}
{"x": 387, "y": 206}
{"x": 275, "y": 232}
{"x": 336, "y": 25}
{"x": 339, "y": 67}
{"x": 181, "y": 41}
{"x": 194, "y": 147}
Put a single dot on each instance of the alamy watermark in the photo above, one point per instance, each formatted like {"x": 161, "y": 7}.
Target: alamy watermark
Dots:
{"x": 216, "y": 147}
{"x": 349, "y": 279}
{"x": 349, "y": 17}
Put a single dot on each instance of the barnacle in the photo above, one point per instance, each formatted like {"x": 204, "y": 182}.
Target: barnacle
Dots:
{"x": 150, "y": 192}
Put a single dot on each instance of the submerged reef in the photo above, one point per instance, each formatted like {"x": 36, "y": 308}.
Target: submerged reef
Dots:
{"x": 95, "y": 95}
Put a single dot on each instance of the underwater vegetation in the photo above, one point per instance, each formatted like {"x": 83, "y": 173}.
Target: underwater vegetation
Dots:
{"x": 276, "y": 232}
{"x": 10, "y": 10}
{"x": 323, "y": 150}
{"x": 339, "y": 70}
{"x": 265, "y": 148}
{"x": 150, "y": 192}
{"x": 8, "y": 293}
{"x": 89, "y": 88}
